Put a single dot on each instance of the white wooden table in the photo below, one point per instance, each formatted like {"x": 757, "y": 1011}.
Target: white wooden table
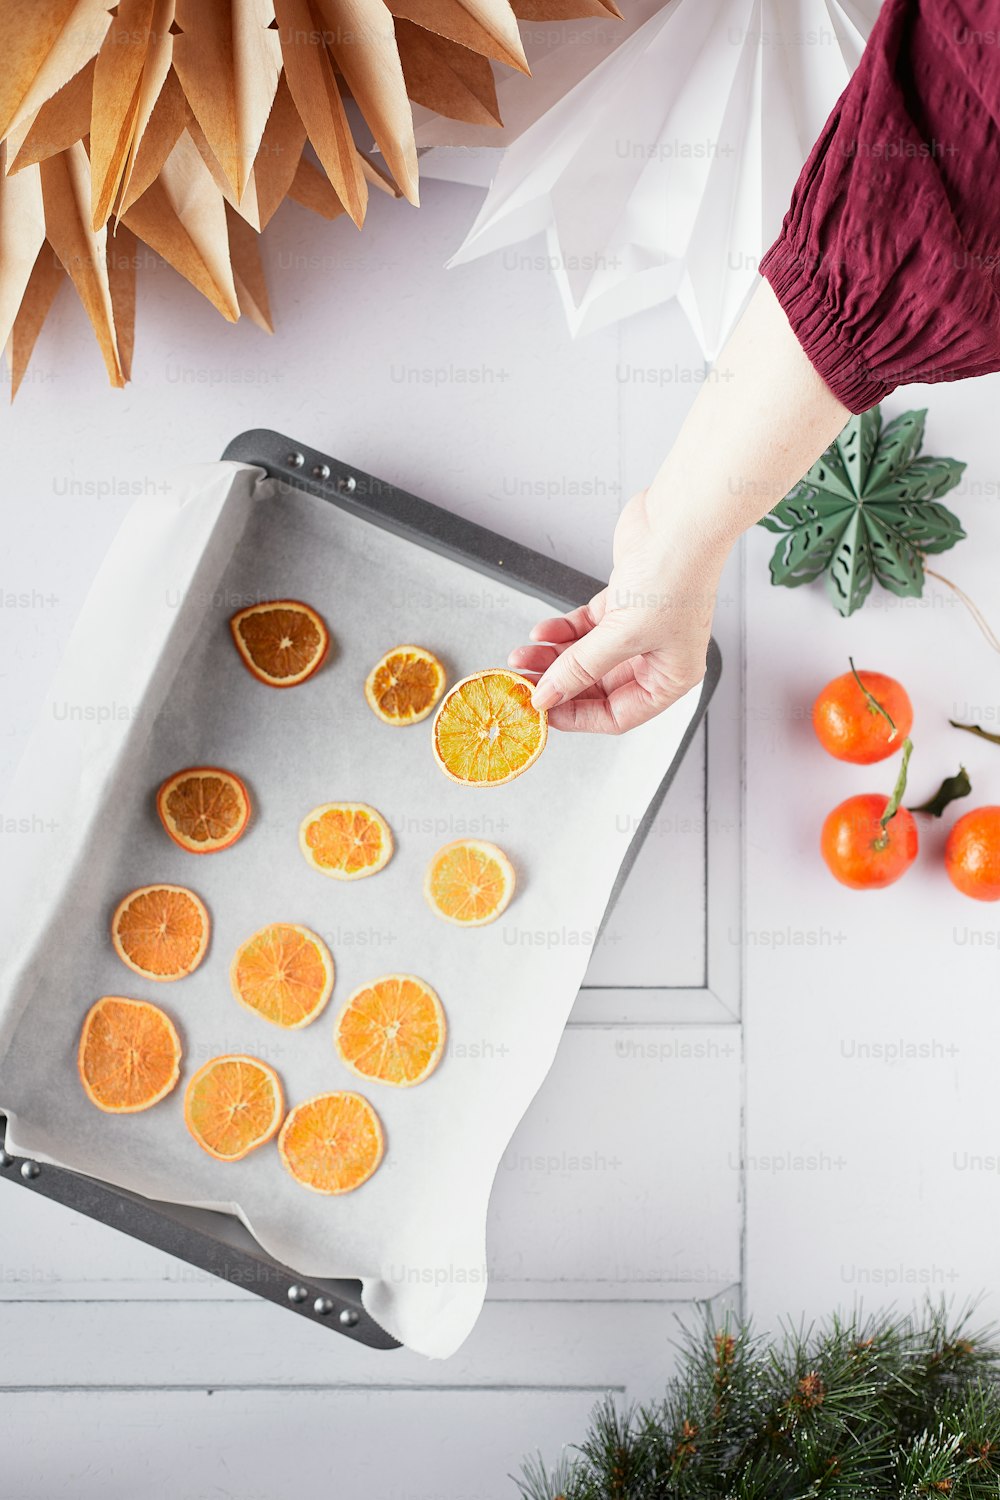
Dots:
{"x": 647, "y": 1178}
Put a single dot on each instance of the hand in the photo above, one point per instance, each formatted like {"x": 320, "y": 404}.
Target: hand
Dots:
{"x": 640, "y": 644}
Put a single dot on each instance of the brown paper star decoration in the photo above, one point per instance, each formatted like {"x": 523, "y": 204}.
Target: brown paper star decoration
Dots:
{"x": 183, "y": 124}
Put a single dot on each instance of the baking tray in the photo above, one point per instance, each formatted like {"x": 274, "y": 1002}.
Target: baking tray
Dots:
{"x": 216, "y": 1242}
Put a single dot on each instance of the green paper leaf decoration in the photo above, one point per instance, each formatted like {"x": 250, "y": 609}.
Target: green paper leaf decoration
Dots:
{"x": 857, "y": 445}
{"x": 867, "y": 512}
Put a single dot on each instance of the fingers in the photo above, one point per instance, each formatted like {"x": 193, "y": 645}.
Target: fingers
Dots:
{"x": 570, "y": 627}
{"x": 558, "y": 628}
{"x": 581, "y": 664}
{"x": 551, "y": 637}
{"x": 626, "y": 708}
{"x": 583, "y": 715}
{"x": 532, "y": 659}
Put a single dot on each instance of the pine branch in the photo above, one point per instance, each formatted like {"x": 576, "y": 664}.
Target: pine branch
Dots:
{"x": 876, "y": 1408}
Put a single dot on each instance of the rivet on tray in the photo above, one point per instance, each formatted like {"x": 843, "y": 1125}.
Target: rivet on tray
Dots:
{"x": 321, "y": 471}
{"x": 348, "y": 1317}
{"x": 297, "y": 1293}
{"x": 5, "y": 1160}
{"x": 347, "y": 482}
{"x": 295, "y": 460}
{"x": 30, "y": 1169}
{"x": 323, "y": 1306}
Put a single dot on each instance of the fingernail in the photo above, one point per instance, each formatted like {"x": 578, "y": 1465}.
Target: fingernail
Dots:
{"x": 545, "y": 696}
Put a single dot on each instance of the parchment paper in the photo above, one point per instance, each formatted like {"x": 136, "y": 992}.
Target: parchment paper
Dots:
{"x": 151, "y": 683}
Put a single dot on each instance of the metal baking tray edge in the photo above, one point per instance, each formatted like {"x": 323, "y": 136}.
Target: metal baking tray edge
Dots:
{"x": 218, "y": 1243}
{"x": 212, "y": 1242}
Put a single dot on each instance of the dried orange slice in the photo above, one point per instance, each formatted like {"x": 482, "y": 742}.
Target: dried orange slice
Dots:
{"x": 161, "y": 931}
{"x": 404, "y": 685}
{"x": 233, "y": 1105}
{"x": 332, "y": 1143}
{"x": 284, "y": 973}
{"x": 204, "y": 809}
{"x": 469, "y": 882}
{"x": 486, "y": 732}
{"x": 345, "y": 839}
{"x": 283, "y": 642}
{"x": 392, "y": 1030}
{"x": 129, "y": 1056}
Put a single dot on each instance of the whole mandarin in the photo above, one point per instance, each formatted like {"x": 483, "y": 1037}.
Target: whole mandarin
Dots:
{"x": 972, "y": 854}
{"x": 862, "y": 854}
{"x": 849, "y": 728}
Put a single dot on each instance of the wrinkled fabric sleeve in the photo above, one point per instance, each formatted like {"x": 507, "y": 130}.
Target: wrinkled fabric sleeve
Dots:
{"x": 888, "y": 261}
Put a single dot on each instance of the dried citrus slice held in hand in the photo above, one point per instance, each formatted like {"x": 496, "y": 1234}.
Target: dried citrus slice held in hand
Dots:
{"x": 404, "y": 686}
{"x": 486, "y": 732}
{"x": 332, "y": 1143}
{"x": 233, "y": 1105}
{"x": 204, "y": 809}
{"x": 469, "y": 882}
{"x": 284, "y": 973}
{"x": 392, "y": 1030}
{"x": 345, "y": 839}
{"x": 161, "y": 931}
{"x": 129, "y": 1056}
{"x": 282, "y": 642}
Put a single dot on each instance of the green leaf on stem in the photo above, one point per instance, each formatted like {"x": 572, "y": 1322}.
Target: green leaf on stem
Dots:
{"x": 899, "y": 790}
{"x": 982, "y": 734}
{"x": 951, "y": 788}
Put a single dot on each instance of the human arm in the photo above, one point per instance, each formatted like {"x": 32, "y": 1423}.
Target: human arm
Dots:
{"x": 886, "y": 271}
{"x": 641, "y": 643}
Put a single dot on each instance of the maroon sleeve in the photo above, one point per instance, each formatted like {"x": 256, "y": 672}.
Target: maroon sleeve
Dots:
{"x": 888, "y": 261}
